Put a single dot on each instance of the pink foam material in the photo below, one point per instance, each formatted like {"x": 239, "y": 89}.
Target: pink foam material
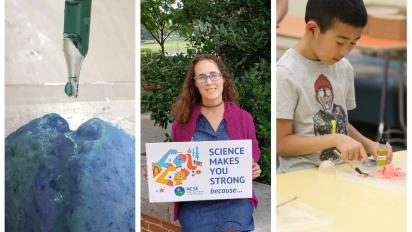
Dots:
{"x": 390, "y": 172}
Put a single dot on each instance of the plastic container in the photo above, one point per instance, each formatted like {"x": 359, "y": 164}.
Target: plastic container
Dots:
{"x": 381, "y": 154}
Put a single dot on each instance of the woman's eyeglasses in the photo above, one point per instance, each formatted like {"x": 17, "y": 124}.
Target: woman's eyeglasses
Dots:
{"x": 213, "y": 76}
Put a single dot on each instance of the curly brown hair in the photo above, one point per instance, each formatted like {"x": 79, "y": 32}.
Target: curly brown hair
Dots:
{"x": 190, "y": 95}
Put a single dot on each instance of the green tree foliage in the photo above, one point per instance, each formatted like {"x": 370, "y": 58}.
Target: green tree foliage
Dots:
{"x": 144, "y": 33}
{"x": 159, "y": 18}
{"x": 162, "y": 77}
{"x": 239, "y": 32}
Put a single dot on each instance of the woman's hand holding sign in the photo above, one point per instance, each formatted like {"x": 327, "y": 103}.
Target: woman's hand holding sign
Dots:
{"x": 255, "y": 170}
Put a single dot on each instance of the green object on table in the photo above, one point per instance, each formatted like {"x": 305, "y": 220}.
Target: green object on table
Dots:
{"x": 75, "y": 40}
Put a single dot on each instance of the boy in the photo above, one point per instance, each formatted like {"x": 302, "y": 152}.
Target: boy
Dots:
{"x": 315, "y": 89}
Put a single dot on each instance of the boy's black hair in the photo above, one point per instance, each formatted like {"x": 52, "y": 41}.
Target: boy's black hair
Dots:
{"x": 326, "y": 12}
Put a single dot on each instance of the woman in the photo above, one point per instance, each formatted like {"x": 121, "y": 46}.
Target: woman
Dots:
{"x": 206, "y": 111}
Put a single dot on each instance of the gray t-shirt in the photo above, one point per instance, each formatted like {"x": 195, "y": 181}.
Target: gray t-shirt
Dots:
{"x": 316, "y": 97}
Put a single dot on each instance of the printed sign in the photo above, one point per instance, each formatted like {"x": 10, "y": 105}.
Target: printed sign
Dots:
{"x": 190, "y": 171}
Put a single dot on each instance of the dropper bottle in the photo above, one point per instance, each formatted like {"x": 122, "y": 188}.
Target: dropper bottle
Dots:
{"x": 382, "y": 153}
{"x": 75, "y": 40}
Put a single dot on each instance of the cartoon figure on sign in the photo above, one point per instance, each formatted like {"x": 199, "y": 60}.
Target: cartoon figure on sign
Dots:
{"x": 166, "y": 158}
{"x": 180, "y": 176}
{"x": 179, "y": 160}
{"x": 174, "y": 167}
{"x": 331, "y": 118}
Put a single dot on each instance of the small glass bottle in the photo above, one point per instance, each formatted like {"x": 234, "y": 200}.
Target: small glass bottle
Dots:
{"x": 381, "y": 154}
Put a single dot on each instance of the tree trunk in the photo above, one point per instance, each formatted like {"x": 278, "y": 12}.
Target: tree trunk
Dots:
{"x": 162, "y": 46}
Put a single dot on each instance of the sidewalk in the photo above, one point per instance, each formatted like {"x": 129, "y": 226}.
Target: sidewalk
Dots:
{"x": 150, "y": 133}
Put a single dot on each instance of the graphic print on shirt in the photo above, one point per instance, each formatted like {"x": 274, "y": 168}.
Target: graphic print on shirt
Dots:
{"x": 331, "y": 118}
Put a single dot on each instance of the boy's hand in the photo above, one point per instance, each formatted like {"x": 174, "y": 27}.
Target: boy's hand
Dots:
{"x": 350, "y": 148}
{"x": 255, "y": 170}
{"x": 390, "y": 153}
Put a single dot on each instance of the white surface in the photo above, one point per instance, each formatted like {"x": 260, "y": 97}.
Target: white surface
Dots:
{"x": 374, "y": 179}
{"x": 296, "y": 216}
{"x": 352, "y": 205}
{"x": 118, "y": 113}
{"x": 36, "y": 71}
{"x": 34, "y": 42}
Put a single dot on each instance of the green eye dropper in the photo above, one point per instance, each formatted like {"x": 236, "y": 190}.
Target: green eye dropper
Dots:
{"x": 75, "y": 40}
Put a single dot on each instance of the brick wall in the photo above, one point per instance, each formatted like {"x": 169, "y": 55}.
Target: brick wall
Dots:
{"x": 152, "y": 224}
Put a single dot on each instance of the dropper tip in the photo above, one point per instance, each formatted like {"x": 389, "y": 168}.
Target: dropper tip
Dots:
{"x": 71, "y": 88}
